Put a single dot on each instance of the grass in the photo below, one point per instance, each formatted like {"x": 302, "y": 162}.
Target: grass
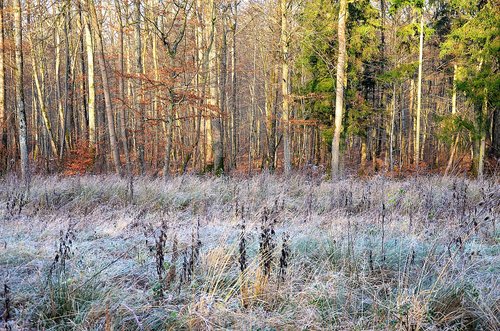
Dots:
{"x": 259, "y": 253}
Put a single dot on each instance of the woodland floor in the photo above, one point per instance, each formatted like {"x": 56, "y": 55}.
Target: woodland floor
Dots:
{"x": 374, "y": 254}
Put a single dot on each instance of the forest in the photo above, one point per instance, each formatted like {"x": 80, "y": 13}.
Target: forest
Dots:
{"x": 249, "y": 165}
{"x": 185, "y": 86}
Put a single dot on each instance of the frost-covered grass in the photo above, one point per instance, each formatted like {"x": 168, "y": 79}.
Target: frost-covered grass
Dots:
{"x": 377, "y": 254}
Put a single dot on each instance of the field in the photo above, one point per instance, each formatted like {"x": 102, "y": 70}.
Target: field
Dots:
{"x": 260, "y": 253}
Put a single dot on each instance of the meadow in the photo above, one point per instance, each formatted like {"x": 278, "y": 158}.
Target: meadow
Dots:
{"x": 259, "y": 253}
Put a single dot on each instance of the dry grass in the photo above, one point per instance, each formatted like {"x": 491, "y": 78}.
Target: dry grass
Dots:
{"x": 376, "y": 254}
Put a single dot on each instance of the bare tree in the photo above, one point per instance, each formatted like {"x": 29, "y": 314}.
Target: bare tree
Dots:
{"x": 107, "y": 96}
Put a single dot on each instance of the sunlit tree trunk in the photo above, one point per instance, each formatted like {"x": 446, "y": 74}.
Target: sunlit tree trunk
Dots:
{"x": 39, "y": 74}
{"x": 419, "y": 92}
{"x": 482, "y": 142}
{"x": 339, "y": 97}
{"x": 138, "y": 88}
{"x": 68, "y": 84}
{"x": 453, "y": 112}
{"x": 107, "y": 97}
{"x": 270, "y": 108}
{"x": 222, "y": 82}
{"x": 391, "y": 133}
{"x": 19, "y": 84}
{"x": 235, "y": 118}
{"x": 284, "y": 87}
{"x": 59, "y": 99}
{"x": 217, "y": 147}
{"x": 3, "y": 117}
{"x": 121, "y": 90}
{"x": 83, "y": 114}
{"x": 89, "y": 48}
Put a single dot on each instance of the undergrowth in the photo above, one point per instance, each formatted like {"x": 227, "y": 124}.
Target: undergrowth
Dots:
{"x": 258, "y": 253}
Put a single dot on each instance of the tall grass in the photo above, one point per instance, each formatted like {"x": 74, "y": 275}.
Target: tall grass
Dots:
{"x": 250, "y": 253}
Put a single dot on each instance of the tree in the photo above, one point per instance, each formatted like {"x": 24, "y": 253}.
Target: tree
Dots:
{"x": 216, "y": 125}
{"x": 419, "y": 88}
{"x": 285, "y": 85}
{"x": 121, "y": 87}
{"x": 19, "y": 85}
{"x": 107, "y": 95}
{"x": 217, "y": 86}
{"x": 3, "y": 117}
{"x": 89, "y": 48}
{"x": 138, "y": 87}
{"x": 339, "y": 95}
{"x": 473, "y": 43}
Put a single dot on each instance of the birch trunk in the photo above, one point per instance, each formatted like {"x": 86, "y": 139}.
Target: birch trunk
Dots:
{"x": 89, "y": 48}
{"x": 19, "y": 85}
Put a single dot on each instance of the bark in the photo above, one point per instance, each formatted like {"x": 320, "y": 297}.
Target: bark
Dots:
{"x": 495, "y": 144}
{"x": 38, "y": 74}
{"x": 138, "y": 88}
{"x": 218, "y": 120}
{"x": 83, "y": 82}
{"x": 216, "y": 123}
{"x": 482, "y": 143}
{"x": 234, "y": 78}
{"x": 391, "y": 133}
{"x": 284, "y": 88}
{"x": 68, "y": 85}
{"x": 271, "y": 91}
{"x": 107, "y": 97}
{"x": 19, "y": 84}
{"x": 419, "y": 91}
{"x": 3, "y": 114}
{"x": 339, "y": 96}
{"x": 453, "y": 112}
{"x": 121, "y": 91}
{"x": 89, "y": 48}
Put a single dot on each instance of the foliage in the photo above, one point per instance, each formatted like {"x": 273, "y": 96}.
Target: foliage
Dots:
{"x": 474, "y": 44}
{"x": 451, "y": 125}
{"x": 318, "y": 57}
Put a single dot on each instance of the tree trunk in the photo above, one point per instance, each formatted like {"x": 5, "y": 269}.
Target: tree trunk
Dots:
{"x": 40, "y": 92}
{"x": 234, "y": 112}
{"x": 3, "y": 117}
{"x": 217, "y": 145}
{"x": 83, "y": 83}
{"x": 495, "y": 144}
{"x": 271, "y": 117}
{"x": 339, "y": 98}
{"x": 219, "y": 123}
{"x": 284, "y": 88}
{"x": 138, "y": 88}
{"x": 19, "y": 84}
{"x": 391, "y": 133}
{"x": 121, "y": 91}
{"x": 419, "y": 91}
{"x": 105, "y": 83}
{"x": 482, "y": 144}
{"x": 453, "y": 112}
{"x": 68, "y": 84}
{"x": 89, "y": 47}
